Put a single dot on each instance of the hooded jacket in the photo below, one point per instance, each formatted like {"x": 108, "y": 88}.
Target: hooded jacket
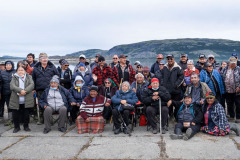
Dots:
{"x": 88, "y": 80}
{"x": 6, "y": 77}
{"x": 42, "y": 77}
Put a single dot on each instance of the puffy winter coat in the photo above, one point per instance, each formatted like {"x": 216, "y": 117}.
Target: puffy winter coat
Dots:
{"x": 140, "y": 89}
{"x": 65, "y": 81}
{"x": 129, "y": 96}
{"x": 6, "y": 77}
{"x": 88, "y": 80}
{"x": 155, "y": 67}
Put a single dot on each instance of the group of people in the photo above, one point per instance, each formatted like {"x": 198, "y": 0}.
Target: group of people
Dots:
{"x": 93, "y": 94}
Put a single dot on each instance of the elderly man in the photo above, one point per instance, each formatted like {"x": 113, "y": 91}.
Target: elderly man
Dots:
{"x": 55, "y": 98}
{"x": 236, "y": 56}
{"x": 139, "y": 85}
{"x": 123, "y": 71}
{"x": 200, "y": 63}
{"x": 231, "y": 79}
{"x": 189, "y": 118}
{"x": 212, "y": 60}
{"x": 183, "y": 61}
{"x": 150, "y": 98}
{"x": 102, "y": 71}
{"x": 197, "y": 89}
{"x": 155, "y": 65}
{"x": 114, "y": 62}
{"x": 82, "y": 58}
{"x": 147, "y": 74}
{"x": 91, "y": 118}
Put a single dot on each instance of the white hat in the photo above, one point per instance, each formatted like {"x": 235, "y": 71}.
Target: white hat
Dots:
{"x": 211, "y": 56}
{"x": 82, "y": 56}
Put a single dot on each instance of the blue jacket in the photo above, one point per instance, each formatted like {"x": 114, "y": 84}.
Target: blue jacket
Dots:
{"x": 155, "y": 67}
{"x": 87, "y": 78}
{"x": 205, "y": 78}
{"x": 79, "y": 96}
{"x": 129, "y": 96}
{"x": 66, "y": 96}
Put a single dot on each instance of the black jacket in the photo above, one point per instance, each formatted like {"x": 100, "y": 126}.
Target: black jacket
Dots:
{"x": 196, "y": 109}
{"x": 6, "y": 77}
{"x": 182, "y": 65}
{"x": 199, "y": 66}
{"x": 159, "y": 76}
{"x": 42, "y": 77}
{"x": 67, "y": 77}
{"x": 148, "y": 94}
{"x": 172, "y": 79}
{"x": 154, "y": 67}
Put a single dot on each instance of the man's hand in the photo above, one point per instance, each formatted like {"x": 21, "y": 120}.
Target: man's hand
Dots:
{"x": 155, "y": 93}
{"x": 45, "y": 106}
{"x": 87, "y": 120}
{"x": 123, "y": 101}
{"x": 193, "y": 123}
{"x": 78, "y": 104}
{"x": 155, "y": 97}
{"x": 107, "y": 104}
{"x": 237, "y": 90}
{"x": 134, "y": 90}
{"x": 73, "y": 104}
{"x": 169, "y": 103}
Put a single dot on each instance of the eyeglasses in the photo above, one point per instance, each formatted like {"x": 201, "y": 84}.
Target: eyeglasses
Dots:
{"x": 210, "y": 66}
{"x": 114, "y": 58}
{"x": 169, "y": 59}
{"x": 211, "y": 58}
{"x": 209, "y": 98}
{"x": 139, "y": 67}
{"x": 161, "y": 64}
{"x": 159, "y": 58}
{"x": 107, "y": 82}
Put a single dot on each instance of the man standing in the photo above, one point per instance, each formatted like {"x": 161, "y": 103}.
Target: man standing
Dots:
{"x": 236, "y": 56}
{"x": 200, "y": 63}
{"x": 183, "y": 61}
{"x": 30, "y": 58}
{"x": 212, "y": 60}
{"x": 231, "y": 79}
{"x": 95, "y": 63}
{"x": 155, "y": 65}
{"x": 123, "y": 71}
{"x": 114, "y": 62}
{"x": 82, "y": 58}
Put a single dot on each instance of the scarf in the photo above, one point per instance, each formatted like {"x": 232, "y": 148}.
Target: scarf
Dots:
{"x": 78, "y": 88}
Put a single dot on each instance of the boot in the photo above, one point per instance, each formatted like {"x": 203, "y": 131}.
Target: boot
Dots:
{"x": 177, "y": 135}
{"x": 188, "y": 134}
{"x": 235, "y": 128}
{"x": 164, "y": 129}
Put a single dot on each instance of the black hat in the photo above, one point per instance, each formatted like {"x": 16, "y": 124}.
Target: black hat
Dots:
{"x": 101, "y": 58}
{"x": 95, "y": 88}
{"x": 122, "y": 56}
{"x": 170, "y": 55}
{"x": 187, "y": 95}
{"x": 202, "y": 56}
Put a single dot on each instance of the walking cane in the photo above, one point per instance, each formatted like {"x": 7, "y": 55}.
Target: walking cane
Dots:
{"x": 120, "y": 83}
{"x": 160, "y": 115}
{"x": 38, "y": 111}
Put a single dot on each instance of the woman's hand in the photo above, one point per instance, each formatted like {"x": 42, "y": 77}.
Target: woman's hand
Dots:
{"x": 107, "y": 104}
{"x": 221, "y": 131}
{"x": 87, "y": 120}
{"x": 123, "y": 102}
{"x": 169, "y": 103}
{"x": 23, "y": 93}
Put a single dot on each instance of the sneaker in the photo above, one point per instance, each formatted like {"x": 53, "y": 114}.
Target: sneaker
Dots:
{"x": 16, "y": 130}
{"x": 188, "y": 134}
{"x": 62, "y": 129}
{"x": 155, "y": 131}
{"x": 125, "y": 131}
{"x": 27, "y": 129}
{"x": 45, "y": 131}
{"x": 117, "y": 131}
{"x": 175, "y": 136}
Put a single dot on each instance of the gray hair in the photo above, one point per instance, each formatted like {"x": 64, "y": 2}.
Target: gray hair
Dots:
{"x": 194, "y": 74}
{"x": 139, "y": 74}
{"x": 127, "y": 83}
{"x": 190, "y": 61}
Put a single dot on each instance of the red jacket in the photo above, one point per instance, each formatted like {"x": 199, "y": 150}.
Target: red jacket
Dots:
{"x": 89, "y": 108}
{"x": 103, "y": 74}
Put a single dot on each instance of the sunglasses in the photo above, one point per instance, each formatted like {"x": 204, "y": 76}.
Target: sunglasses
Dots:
{"x": 114, "y": 58}
{"x": 66, "y": 65}
{"x": 159, "y": 58}
{"x": 139, "y": 67}
{"x": 209, "y": 98}
{"x": 161, "y": 64}
{"x": 210, "y": 66}
{"x": 107, "y": 82}
{"x": 169, "y": 59}
{"x": 211, "y": 58}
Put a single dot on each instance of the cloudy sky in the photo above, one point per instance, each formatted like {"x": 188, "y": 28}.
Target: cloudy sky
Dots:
{"x": 59, "y": 27}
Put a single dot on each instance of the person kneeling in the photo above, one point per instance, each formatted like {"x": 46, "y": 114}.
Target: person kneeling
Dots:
{"x": 189, "y": 117}
{"x": 55, "y": 99}
{"x": 90, "y": 119}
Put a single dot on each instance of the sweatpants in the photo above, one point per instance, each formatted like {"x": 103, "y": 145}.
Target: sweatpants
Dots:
{"x": 48, "y": 117}
{"x": 152, "y": 112}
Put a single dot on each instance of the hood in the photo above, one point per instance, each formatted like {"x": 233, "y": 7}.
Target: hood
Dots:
{"x": 11, "y": 63}
{"x": 174, "y": 66}
{"x": 78, "y": 78}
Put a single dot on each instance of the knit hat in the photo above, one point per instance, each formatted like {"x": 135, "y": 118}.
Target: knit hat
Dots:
{"x": 145, "y": 69}
{"x": 41, "y": 55}
{"x": 210, "y": 94}
{"x": 81, "y": 65}
{"x": 232, "y": 60}
{"x": 154, "y": 80}
{"x": 64, "y": 62}
{"x": 55, "y": 79}
{"x": 95, "y": 88}
{"x": 162, "y": 62}
{"x": 101, "y": 59}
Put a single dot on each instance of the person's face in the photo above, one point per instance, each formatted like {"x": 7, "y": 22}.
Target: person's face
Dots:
{"x": 115, "y": 59}
{"x": 211, "y": 59}
{"x": 44, "y": 60}
{"x": 125, "y": 87}
{"x": 145, "y": 73}
{"x": 79, "y": 82}
{"x": 170, "y": 60}
{"x": 232, "y": 65}
{"x": 8, "y": 67}
{"x": 210, "y": 68}
{"x": 160, "y": 57}
{"x": 54, "y": 84}
{"x": 2, "y": 67}
{"x": 82, "y": 60}
{"x": 96, "y": 59}
{"x": 161, "y": 65}
{"x": 155, "y": 84}
{"x": 21, "y": 71}
{"x": 210, "y": 100}
{"x": 81, "y": 68}
{"x": 195, "y": 79}
{"x": 65, "y": 66}
{"x": 123, "y": 60}
{"x": 101, "y": 63}
{"x": 107, "y": 83}
{"x": 224, "y": 64}
{"x": 139, "y": 69}
{"x": 93, "y": 93}
{"x": 187, "y": 100}
{"x": 202, "y": 60}
{"x": 30, "y": 59}
{"x": 139, "y": 79}
{"x": 190, "y": 66}
{"x": 183, "y": 59}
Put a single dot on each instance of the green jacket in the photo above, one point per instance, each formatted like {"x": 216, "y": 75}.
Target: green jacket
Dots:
{"x": 14, "y": 86}
{"x": 204, "y": 90}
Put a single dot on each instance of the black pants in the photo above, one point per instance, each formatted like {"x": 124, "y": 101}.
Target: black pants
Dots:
{"x": 152, "y": 112}
{"x": 175, "y": 97}
{"x": 21, "y": 113}
{"x": 1, "y": 108}
{"x": 231, "y": 99}
{"x": 125, "y": 114}
{"x": 74, "y": 113}
{"x": 107, "y": 112}
{"x": 195, "y": 129}
{"x": 221, "y": 99}
{"x": 5, "y": 98}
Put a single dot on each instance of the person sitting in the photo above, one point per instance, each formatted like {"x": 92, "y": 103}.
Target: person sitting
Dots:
{"x": 215, "y": 120}
{"x": 90, "y": 119}
{"x": 85, "y": 74}
{"x": 187, "y": 72}
{"x": 108, "y": 89}
{"x": 55, "y": 98}
{"x": 66, "y": 74}
{"x": 21, "y": 99}
{"x": 125, "y": 97}
{"x": 189, "y": 118}
{"x": 150, "y": 97}
{"x": 79, "y": 92}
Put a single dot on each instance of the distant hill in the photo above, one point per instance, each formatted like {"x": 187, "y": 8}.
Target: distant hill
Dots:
{"x": 221, "y": 48}
{"x": 11, "y": 57}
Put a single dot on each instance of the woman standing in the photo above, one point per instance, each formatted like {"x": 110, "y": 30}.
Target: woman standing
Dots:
{"x": 21, "y": 98}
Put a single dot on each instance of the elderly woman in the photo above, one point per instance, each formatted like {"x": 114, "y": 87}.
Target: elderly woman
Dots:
{"x": 21, "y": 98}
{"x": 79, "y": 92}
{"x": 215, "y": 121}
{"x": 90, "y": 119}
{"x": 187, "y": 72}
{"x": 107, "y": 90}
{"x": 123, "y": 98}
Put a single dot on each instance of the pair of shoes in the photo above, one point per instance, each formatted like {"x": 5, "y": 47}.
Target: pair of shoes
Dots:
{"x": 27, "y": 129}
{"x": 188, "y": 134}
{"x": 117, "y": 131}
{"x": 155, "y": 131}
{"x": 62, "y": 129}
{"x": 45, "y": 131}
{"x": 176, "y": 136}
{"x": 125, "y": 131}
{"x": 16, "y": 130}
{"x": 235, "y": 129}
{"x": 237, "y": 121}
